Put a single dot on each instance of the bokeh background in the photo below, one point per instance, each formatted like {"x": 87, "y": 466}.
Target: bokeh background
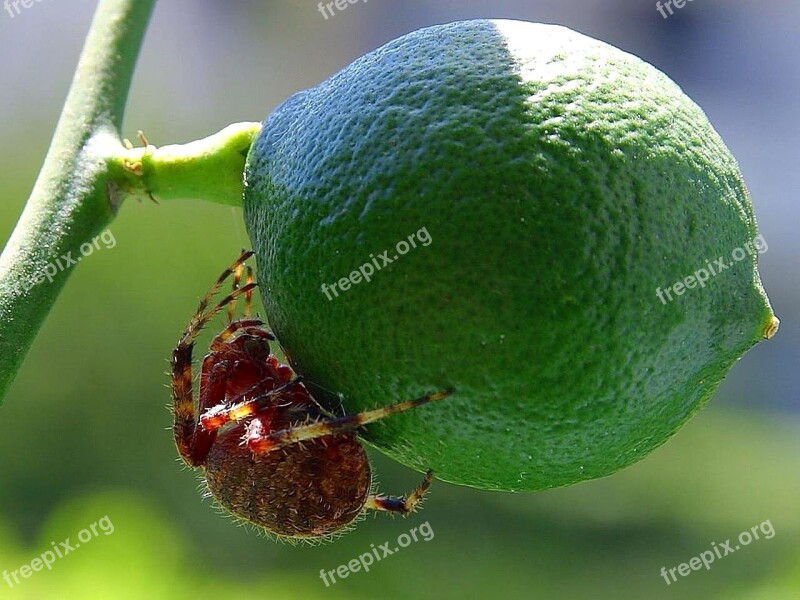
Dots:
{"x": 83, "y": 433}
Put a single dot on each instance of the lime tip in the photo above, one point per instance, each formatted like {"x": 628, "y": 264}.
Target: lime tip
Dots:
{"x": 772, "y": 328}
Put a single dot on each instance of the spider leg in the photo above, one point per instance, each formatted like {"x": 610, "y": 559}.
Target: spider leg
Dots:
{"x": 203, "y": 315}
{"x": 404, "y": 505}
{"x": 182, "y": 399}
{"x": 213, "y": 387}
{"x": 262, "y": 442}
{"x": 192, "y": 441}
{"x": 249, "y": 326}
{"x": 237, "y": 279}
{"x": 221, "y": 415}
{"x": 248, "y": 297}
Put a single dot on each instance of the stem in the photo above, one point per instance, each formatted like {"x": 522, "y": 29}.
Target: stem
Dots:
{"x": 210, "y": 168}
{"x": 73, "y": 198}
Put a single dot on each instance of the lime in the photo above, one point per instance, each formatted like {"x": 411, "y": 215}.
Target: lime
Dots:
{"x": 498, "y": 207}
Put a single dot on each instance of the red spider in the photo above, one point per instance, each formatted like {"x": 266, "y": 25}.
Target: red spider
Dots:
{"x": 254, "y": 414}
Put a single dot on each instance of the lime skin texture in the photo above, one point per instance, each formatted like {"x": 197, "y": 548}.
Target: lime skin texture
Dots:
{"x": 562, "y": 182}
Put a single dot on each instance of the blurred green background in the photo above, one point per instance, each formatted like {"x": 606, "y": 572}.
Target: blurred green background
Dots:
{"x": 84, "y": 432}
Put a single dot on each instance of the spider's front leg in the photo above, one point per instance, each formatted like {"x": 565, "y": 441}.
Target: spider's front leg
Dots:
{"x": 192, "y": 444}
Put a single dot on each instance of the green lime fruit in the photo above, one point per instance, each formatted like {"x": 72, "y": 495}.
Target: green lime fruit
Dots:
{"x": 498, "y": 207}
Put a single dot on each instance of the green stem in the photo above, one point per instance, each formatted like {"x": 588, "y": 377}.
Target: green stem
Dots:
{"x": 73, "y": 199}
{"x": 209, "y": 169}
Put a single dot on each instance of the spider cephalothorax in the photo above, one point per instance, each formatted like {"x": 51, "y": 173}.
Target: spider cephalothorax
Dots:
{"x": 271, "y": 454}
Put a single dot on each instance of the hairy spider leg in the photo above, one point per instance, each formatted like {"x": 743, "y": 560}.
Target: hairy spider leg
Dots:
{"x": 237, "y": 279}
{"x": 275, "y": 440}
{"x": 201, "y": 317}
{"x": 213, "y": 387}
{"x": 222, "y": 414}
{"x": 248, "y": 297}
{"x": 404, "y": 505}
{"x": 185, "y": 425}
{"x": 214, "y": 378}
{"x": 254, "y": 327}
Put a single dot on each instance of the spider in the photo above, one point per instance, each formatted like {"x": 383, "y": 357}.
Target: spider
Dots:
{"x": 272, "y": 455}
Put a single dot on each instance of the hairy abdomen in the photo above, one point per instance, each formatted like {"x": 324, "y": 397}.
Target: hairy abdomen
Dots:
{"x": 300, "y": 491}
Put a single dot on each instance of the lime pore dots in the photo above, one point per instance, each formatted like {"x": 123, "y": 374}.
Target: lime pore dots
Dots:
{"x": 555, "y": 183}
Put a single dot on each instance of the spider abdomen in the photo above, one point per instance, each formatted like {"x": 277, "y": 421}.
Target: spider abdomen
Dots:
{"x": 307, "y": 490}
